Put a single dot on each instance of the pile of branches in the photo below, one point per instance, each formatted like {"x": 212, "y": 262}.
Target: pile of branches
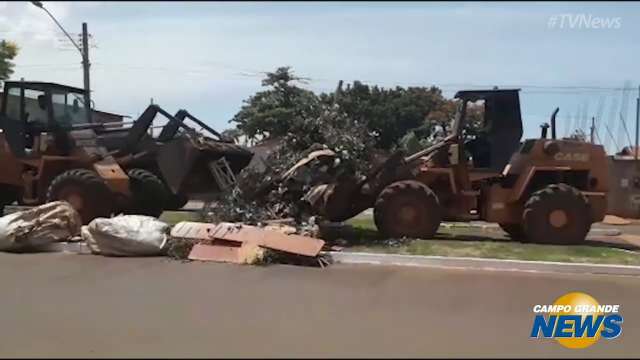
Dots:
{"x": 350, "y": 139}
{"x": 264, "y": 195}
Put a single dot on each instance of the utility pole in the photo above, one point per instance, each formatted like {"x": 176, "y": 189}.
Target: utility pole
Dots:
{"x": 85, "y": 68}
{"x": 637, "y": 126}
{"x": 593, "y": 128}
{"x": 84, "y": 51}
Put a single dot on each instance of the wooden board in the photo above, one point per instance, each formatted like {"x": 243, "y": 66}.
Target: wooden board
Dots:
{"x": 295, "y": 244}
{"x": 272, "y": 239}
{"x": 219, "y": 253}
{"x": 615, "y": 220}
{"x": 193, "y": 230}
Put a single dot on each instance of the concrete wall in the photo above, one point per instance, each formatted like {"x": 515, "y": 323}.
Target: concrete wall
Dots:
{"x": 624, "y": 187}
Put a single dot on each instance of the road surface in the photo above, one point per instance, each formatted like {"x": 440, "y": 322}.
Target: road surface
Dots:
{"x": 55, "y": 305}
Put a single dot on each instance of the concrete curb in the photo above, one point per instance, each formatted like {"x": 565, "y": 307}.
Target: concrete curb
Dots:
{"x": 482, "y": 264}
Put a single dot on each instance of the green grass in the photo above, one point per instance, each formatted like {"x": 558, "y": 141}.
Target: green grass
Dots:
{"x": 510, "y": 250}
{"x": 460, "y": 241}
{"x": 174, "y": 217}
{"x": 362, "y": 223}
{"x": 472, "y": 242}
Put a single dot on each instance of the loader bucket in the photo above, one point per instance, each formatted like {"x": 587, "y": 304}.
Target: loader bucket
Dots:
{"x": 185, "y": 163}
{"x": 344, "y": 199}
{"x": 336, "y": 201}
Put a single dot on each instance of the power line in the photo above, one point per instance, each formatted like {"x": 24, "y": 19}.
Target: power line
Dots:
{"x": 601, "y": 103}
{"x": 567, "y": 125}
{"x": 43, "y": 65}
{"x": 260, "y": 73}
{"x": 623, "y": 106}
{"x": 615, "y": 143}
{"x": 584, "y": 117}
{"x": 624, "y": 125}
{"x": 612, "y": 118}
{"x": 58, "y": 69}
{"x": 562, "y": 89}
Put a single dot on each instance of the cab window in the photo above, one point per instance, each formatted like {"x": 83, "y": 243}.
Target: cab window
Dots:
{"x": 35, "y": 108}
{"x": 13, "y": 104}
{"x": 68, "y": 108}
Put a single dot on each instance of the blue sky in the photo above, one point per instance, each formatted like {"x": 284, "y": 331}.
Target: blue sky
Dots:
{"x": 207, "y": 57}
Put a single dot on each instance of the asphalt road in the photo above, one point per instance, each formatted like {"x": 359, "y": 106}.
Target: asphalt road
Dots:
{"x": 56, "y": 305}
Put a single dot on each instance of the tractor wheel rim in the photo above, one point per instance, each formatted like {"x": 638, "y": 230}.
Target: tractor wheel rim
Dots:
{"x": 407, "y": 215}
{"x": 75, "y": 200}
{"x": 558, "y": 218}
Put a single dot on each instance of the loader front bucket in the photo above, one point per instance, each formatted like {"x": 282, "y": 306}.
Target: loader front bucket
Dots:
{"x": 337, "y": 201}
{"x": 185, "y": 163}
{"x": 344, "y": 199}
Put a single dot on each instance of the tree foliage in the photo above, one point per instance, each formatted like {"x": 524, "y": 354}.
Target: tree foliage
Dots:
{"x": 274, "y": 112}
{"x": 8, "y": 51}
{"x": 392, "y": 117}
{"x": 390, "y": 113}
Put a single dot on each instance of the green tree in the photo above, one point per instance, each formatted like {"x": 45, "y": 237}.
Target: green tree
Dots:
{"x": 8, "y": 51}
{"x": 386, "y": 115}
{"x": 273, "y": 112}
{"x": 390, "y": 113}
{"x": 443, "y": 116}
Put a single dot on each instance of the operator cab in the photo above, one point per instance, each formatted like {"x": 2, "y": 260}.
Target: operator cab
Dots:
{"x": 489, "y": 124}
{"x": 31, "y": 109}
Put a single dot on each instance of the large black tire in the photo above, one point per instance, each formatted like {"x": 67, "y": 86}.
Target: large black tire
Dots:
{"x": 515, "y": 231}
{"x": 557, "y": 214}
{"x": 407, "y": 209}
{"x": 176, "y": 201}
{"x": 148, "y": 193}
{"x": 8, "y": 195}
{"x": 85, "y": 191}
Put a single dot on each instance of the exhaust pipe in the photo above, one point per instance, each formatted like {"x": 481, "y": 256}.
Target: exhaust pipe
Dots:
{"x": 553, "y": 123}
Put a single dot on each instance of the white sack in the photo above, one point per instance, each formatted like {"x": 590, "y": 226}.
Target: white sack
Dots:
{"x": 45, "y": 224}
{"x": 126, "y": 235}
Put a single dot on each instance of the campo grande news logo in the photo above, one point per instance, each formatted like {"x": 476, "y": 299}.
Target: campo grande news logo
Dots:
{"x": 576, "y": 320}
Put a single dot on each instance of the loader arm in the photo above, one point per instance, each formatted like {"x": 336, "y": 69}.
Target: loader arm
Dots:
{"x": 169, "y": 131}
{"x": 442, "y": 143}
{"x": 141, "y": 126}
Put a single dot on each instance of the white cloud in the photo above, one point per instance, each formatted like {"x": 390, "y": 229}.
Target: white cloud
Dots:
{"x": 187, "y": 55}
{"x": 26, "y": 24}
{"x": 88, "y": 4}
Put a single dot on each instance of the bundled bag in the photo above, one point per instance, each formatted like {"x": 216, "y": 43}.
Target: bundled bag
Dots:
{"x": 35, "y": 228}
{"x": 126, "y": 235}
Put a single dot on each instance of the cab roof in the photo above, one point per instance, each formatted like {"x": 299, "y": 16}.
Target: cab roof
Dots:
{"x": 484, "y": 93}
{"x": 42, "y": 85}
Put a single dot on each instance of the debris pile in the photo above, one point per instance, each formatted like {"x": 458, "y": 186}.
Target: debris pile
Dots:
{"x": 39, "y": 228}
{"x": 320, "y": 150}
{"x": 244, "y": 244}
{"x": 126, "y": 235}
